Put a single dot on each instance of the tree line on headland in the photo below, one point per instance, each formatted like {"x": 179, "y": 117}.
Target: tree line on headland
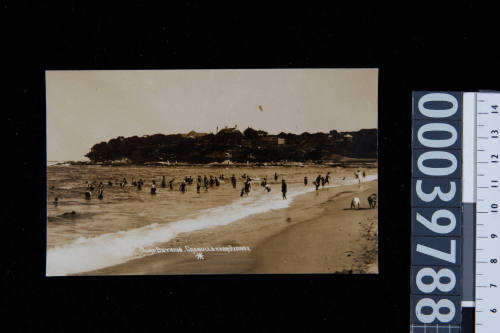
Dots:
{"x": 229, "y": 144}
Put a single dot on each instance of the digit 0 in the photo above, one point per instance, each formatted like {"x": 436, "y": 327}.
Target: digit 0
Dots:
{"x": 437, "y": 155}
{"x": 438, "y": 97}
{"x": 437, "y": 127}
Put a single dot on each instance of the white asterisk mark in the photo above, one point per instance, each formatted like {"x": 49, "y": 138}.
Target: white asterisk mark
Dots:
{"x": 200, "y": 256}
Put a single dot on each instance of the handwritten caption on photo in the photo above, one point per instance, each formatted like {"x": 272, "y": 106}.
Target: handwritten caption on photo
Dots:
{"x": 189, "y": 249}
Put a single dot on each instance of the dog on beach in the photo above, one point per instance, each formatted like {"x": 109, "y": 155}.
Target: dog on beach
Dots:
{"x": 372, "y": 200}
{"x": 355, "y": 203}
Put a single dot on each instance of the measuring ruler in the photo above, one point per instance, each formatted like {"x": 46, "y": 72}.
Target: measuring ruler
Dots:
{"x": 487, "y": 249}
{"x": 455, "y": 219}
{"x": 436, "y": 213}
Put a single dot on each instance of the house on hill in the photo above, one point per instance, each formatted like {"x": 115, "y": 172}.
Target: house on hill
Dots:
{"x": 347, "y": 137}
{"x": 227, "y": 130}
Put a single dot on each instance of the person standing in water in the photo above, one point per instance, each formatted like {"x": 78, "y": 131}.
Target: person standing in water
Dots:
{"x": 153, "y": 187}
{"x": 100, "y": 194}
{"x": 317, "y": 182}
{"x": 327, "y": 178}
{"x": 198, "y": 185}
{"x": 275, "y": 176}
{"x": 183, "y": 187}
{"x": 163, "y": 182}
{"x": 283, "y": 188}
{"x": 247, "y": 186}
{"x": 305, "y": 181}
{"x": 233, "y": 180}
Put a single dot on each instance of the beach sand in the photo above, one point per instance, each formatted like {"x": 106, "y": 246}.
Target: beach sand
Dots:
{"x": 317, "y": 233}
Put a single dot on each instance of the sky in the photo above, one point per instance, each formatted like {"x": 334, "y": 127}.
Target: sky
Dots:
{"x": 88, "y": 107}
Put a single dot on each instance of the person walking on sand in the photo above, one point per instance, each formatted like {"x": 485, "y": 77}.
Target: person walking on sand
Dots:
{"x": 283, "y": 188}
{"x": 163, "y": 182}
{"x": 305, "y": 181}
{"x": 198, "y": 186}
{"x": 327, "y": 178}
{"x": 275, "y": 176}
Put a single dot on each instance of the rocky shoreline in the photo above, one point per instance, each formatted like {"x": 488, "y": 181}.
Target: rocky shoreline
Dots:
{"x": 354, "y": 163}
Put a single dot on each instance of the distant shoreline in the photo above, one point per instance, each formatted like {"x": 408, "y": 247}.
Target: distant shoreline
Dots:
{"x": 354, "y": 162}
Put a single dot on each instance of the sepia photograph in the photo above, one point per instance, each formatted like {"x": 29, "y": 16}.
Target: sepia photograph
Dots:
{"x": 223, "y": 171}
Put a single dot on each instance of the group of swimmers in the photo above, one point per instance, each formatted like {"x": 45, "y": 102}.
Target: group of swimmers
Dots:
{"x": 320, "y": 180}
{"x": 91, "y": 187}
{"x": 207, "y": 182}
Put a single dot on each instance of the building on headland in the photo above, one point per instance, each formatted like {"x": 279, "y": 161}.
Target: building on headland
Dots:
{"x": 226, "y": 129}
{"x": 272, "y": 140}
{"x": 348, "y": 137}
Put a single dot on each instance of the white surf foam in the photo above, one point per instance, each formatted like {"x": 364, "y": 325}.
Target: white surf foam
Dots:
{"x": 87, "y": 254}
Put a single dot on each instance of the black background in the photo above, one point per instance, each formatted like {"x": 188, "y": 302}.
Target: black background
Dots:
{"x": 416, "y": 46}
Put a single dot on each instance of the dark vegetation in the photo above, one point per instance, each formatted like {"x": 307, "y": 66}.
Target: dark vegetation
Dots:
{"x": 231, "y": 144}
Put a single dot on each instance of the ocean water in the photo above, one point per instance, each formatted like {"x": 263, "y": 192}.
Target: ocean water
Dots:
{"x": 128, "y": 221}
